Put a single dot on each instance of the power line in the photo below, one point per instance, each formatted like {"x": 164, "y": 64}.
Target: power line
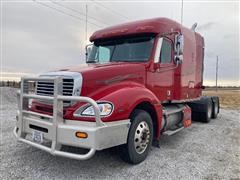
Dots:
{"x": 63, "y": 12}
{"x": 78, "y": 12}
{"x": 110, "y": 9}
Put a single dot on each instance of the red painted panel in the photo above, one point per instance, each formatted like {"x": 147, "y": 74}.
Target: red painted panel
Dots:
{"x": 127, "y": 84}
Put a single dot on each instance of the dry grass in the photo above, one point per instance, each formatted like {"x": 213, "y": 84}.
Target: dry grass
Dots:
{"x": 229, "y": 98}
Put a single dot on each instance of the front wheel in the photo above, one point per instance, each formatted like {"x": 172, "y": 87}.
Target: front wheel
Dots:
{"x": 139, "y": 138}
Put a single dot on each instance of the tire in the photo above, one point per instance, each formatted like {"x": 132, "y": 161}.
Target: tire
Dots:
{"x": 140, "y": 138}
{"x": 207, "y": 114}
{"x": 215, "y": 108}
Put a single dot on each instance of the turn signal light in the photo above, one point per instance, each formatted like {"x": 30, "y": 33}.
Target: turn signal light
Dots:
{"x": 81, "y": 134}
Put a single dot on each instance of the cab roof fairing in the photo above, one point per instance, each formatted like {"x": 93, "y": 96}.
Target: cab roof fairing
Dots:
{"x": 154, "y": 26}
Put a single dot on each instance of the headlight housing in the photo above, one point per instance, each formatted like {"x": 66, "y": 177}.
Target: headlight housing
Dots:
{"x": 105, "y": 109}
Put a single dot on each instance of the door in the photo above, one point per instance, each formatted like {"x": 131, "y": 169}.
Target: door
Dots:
{"x": 162, "y": 77}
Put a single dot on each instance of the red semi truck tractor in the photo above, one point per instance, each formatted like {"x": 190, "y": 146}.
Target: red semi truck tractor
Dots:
{"x": 141, "y": 80}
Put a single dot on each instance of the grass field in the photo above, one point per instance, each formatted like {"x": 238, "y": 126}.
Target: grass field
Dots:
{"x": 229, "y": 98}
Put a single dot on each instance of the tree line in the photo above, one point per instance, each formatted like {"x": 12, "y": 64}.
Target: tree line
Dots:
{"x": 15, "y": 84}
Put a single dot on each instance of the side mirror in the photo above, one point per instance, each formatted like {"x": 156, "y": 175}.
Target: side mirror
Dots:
{"x": 88, "y": 49}
{"x": 178, "y": 48}
{"x": 179, "y": 43}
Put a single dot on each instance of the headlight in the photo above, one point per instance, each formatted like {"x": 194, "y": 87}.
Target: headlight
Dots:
{"x": 105, "y": 109}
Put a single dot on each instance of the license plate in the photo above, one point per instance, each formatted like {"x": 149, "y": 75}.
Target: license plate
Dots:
{"x": 37, "y": 136}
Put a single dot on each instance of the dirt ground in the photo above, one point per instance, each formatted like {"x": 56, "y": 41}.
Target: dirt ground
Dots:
{"x": 202, "y": 151}
{"x": 229, "y": 99}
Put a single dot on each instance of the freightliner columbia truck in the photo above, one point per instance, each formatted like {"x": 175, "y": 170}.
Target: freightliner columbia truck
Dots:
{"x": 141, "y": 80}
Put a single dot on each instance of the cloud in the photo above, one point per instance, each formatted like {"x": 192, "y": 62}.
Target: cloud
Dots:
{"x": 206, "y": 26}
{"x": 227, "y": 36}
{"x": 38, "y": 39}
{"x": 210, "y": 54}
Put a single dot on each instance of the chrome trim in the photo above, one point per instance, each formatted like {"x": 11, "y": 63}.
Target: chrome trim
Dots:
{"x": 76, "y": 76}
{"x": 88, "y": 155}
{"x": 171, "y": 132}
{"x": 158, "y": 50}
{"x": 77, "y": 83}
{"x": 142, "y": 137}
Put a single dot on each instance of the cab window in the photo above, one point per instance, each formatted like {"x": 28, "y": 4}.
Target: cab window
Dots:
{"x": 103, "y": 54}
{"x": 166, "y": 52}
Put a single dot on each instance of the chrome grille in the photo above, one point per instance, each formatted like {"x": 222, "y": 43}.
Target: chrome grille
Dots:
{"x": 72, "y": 84}
{"x": 47, "y": 88}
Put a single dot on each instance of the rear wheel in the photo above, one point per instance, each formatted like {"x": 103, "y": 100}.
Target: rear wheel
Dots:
{"x": 207, "y": 114}
{"x": 215, "y": 108}
{"x": 139, "y": 138}
{"x": 205, "y": 108}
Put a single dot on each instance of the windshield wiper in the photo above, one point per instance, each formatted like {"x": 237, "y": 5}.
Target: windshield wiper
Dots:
{"x": 92, "y": 61}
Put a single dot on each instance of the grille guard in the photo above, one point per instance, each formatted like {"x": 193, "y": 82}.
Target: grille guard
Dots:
{"x": 57, "y": 117}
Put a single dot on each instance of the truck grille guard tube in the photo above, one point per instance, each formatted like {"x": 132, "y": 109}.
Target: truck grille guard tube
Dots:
{"x": 56, "y": 118}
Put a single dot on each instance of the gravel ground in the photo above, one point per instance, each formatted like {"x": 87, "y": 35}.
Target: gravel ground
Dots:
{"x": 203, "y": 151}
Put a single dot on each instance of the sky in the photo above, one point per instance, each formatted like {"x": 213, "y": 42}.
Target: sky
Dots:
{"x": 38, "y": 36}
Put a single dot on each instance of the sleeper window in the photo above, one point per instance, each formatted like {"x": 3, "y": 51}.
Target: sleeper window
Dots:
{"x": 166, "y": 52}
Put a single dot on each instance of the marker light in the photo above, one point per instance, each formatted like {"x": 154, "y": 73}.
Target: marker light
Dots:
{"x": 81, "y": 134}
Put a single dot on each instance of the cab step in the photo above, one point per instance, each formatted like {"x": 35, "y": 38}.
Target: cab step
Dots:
{"x": 171, "y": 132}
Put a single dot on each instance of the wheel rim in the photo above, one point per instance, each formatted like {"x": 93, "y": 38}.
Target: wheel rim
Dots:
{"x": 216, "y": 108}
{"x": 142, "y": 137}
{"x": 209, "y": 111}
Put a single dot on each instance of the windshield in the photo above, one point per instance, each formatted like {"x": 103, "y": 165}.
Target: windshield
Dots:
{"x": 135, "y": 49}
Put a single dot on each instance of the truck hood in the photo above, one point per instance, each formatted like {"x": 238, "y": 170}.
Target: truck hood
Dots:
{"x": 82, "y": 68}
{"x": 98, "y": 77}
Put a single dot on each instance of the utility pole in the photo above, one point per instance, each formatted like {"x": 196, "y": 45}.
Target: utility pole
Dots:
{"x": 217, "y": 74}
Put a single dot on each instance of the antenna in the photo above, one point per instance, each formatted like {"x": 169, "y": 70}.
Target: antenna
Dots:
{"x": 182, "y": 13}
{"x": 86, "y": 35}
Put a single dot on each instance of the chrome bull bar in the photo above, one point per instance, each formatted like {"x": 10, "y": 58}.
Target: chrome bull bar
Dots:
{"x": 56, "y": 117}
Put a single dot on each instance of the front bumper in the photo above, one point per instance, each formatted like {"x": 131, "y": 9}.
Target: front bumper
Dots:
{"x": 59, "y": 131}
